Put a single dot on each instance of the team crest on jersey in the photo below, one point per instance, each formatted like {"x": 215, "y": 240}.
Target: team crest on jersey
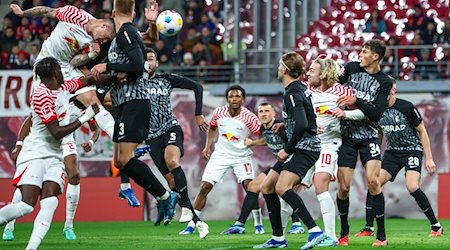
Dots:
{"x": 284, "y": 114}
{"x": 307, "y": 93}
{"x": 73, "y": 43}
{"x": 230, "y": 137}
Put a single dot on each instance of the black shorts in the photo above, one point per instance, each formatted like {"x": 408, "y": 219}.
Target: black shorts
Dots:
{"x": 132, "y": 120}
{"x": 368, "y": 149}
{"x": 394, "y": 161}
{"x": 173, "y": 136}
{"x": 300, "y": 162}
{"x": 102, "y": 91}
{"x": 277, "y": 167}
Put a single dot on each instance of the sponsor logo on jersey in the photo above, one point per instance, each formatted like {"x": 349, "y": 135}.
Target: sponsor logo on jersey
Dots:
{"x": 393, "y": 128}
{"x": 158, "y": 91}
{"x": 230, "y": 137}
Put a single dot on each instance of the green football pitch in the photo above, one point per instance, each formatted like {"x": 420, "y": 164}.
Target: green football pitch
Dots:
{"x": 401, "y": 233}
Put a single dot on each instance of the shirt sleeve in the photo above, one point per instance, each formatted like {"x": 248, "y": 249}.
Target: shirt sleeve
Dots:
{"x": 213, "y": 122}
{"x": 73, "y": 15}
{"x": 186, "y": 83}
{"x": 71, "y": 85}
{"x": 294, "y": 105}
{"x": 44, "y": 108}
{"x": 254, "y": 124}
{"x": 413, "y": 116}
{"x": 129, "y": 42}
{"x": 376, "y": 109}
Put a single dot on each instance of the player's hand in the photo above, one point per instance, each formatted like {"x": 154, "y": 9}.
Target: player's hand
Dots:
{"x": 320, "y": 129}
{"x": 248, "y": 142}
{"x": 15, "y": 153}
{"x": 430, "y": 166}
{"x": 94, "y": 50}
{"x": 206, "y": 153}
{"x": 16, "y": 9}
{"x": 151, "y": 13}
{"x": 282, "y": 155}
{"x": 95, "y": 108}
{"x": 278, "y": 127}
{"x": 98, "y": 69}
{"x": 122, "y": 77}
{"x": 201, "y": 123}
{"x": 339, "y": 113}
{"x": 346, "y": 100}
{"x": 87, "y": 146}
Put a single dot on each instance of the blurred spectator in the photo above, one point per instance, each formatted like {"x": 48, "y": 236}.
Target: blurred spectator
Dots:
{"x": 207, "y": 37}
{"x": 388, "y": 64}
{"x": 7, "y": 23}
{"x": 194, "y": 8}
{"x": 25, "y": 24}
{"x": 201, "y": 52}
{"x": 425, "y": 67}
{"x": 190, "y": 41}
{"x": 34, "y": 52}
{"x": 444, "y": 37}
{"x": 417, "y": 21}
{"x": 187, "y": 66}
{"x": 45, "y": 27}
{"x": 177, "y": 54}
{"x": 430, "y": 35}
{"x": 21, "y": 61}
{"x": 27, "y": 41}
{"x": 414, "y": 52}
{"x": 14, "y": 19}
{"x": 201, "y": 72}
{"x": 215, "y": 14}
{"x": 444, "y": 65}
{"x": 375, "y": 23}
{"x": 163, "y": 54}
{"x": 13, "y": 56}
{"x": 394, "y": 41}
{"x": 8, "y": 40}
{"x": 206, "y": 22}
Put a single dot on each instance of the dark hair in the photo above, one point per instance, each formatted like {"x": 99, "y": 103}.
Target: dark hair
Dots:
{"x": 124, "y": 7}
{"x": 235, "y": 87}
{"x": 376, "y": 46}
{"x": 294, "y": 64}
{"x": 150, "y": 50}
{"x": 46, "y": 68}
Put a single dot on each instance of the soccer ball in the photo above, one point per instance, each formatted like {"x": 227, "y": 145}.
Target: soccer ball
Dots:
{"x": 169, "y": 22}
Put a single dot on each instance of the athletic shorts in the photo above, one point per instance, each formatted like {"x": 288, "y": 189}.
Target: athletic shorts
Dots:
{"x": 173, "y": 136}
{"x": 218, "y": 165}
{"x": 300, "y": 162}
{"x": 327, "y": 163}
{"x": 69, "y": 146}
{"x": 37, "y": 171}
{"x": 368, "y": 149}
{"x": 394, "y": 161}
{"x": 102, "y": 91}
{"x": 131, "y": 121}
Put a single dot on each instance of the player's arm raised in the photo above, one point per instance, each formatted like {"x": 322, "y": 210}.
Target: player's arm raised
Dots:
{"x": 151, "y": 13}
{"x": 38, "y": 11}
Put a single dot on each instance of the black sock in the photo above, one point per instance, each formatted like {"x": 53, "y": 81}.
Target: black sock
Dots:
{"x": 274, "y": 208}
{"x": 295, "y": 217}
{"x": 124, "y": 178}
{"x": 378, "y": 208}
{"x": 144, "y": 177}
{"x": 424, "y": 204}
{"x": 343, "y": 214}
{"x": 182, "y": 190}
{"x": 249, "y": 203}
{"x": 299, "y": 208}
{"x": 370, "y": 215}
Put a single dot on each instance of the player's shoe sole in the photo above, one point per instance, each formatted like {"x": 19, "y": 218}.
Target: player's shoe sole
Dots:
{"x": 69, "y": 233}
{"x": 380, "y": 243}
{"x": 8, "y": 235}
{"x": 234, "y": 229}
{"x": 271, "y": 243}
{"x": 128, "y": 194}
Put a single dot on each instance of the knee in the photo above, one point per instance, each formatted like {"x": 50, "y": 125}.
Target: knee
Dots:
{"x": 373, "y": 183}
{"x": 267, "y": 189}
{"x": 74, "y": 178}
{"x": 172, "y": 163}
{"x": 280, "y": 189}
{"x": 320, "y": 187}
{"x": 412, "y": 187}
{"x": 344, "y": 189}
{"x": 253, "y": 187}
{"x": 205, "y": 189}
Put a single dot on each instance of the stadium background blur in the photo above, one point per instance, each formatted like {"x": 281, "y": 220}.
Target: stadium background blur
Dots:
{"x": 212, "y": 50}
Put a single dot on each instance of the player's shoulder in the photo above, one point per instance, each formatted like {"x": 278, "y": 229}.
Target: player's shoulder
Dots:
{"x": 352, "y": 67}
{"x": 384, "y": 78}
{"x": 403, "y": 105}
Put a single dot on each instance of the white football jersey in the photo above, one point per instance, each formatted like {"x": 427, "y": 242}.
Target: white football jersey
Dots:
{"x": 47, "y": 105}
{"x": 324, "y": 103}
{"x": 69, "y": 35}
{"x": 233, "y": 131}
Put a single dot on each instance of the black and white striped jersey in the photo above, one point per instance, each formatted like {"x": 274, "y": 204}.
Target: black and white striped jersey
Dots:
{"x": 300, "y": 118}
{"x": 127, "y": 54}
{"x": 399, "y": 124}
{"x": 160, "y": 88}
{"x": 274, "y": 141}
{"x": 372, "y": 92}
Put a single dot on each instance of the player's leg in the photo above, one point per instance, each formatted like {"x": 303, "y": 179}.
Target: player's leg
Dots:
{"x": 8, "y": 232}
{"x": 250, "y": 199}
{"x": 293, "y": 171}
{"x": 273, "y": 207}
{"x": 372, "y": 174}
{"x": 73, "y": 187}
{"x": 346, "y": 162}
{"x": 413, "y": 170}
{"x": 321, "y": 183}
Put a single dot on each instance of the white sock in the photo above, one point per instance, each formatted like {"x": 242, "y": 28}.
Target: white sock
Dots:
{"x": 72, "y": 198}
{"x": 278, "y": 238}
{"x": 124, "y": 186}
{"x": 17, "y": 197}
{"x": 257, "y": 218}
{"x": 164, "y": 197}
{"x": 43, "y": 221}
{"x": 105, "y": 121}
{"x": 315, "y": 229}
{"x": 328, "y": 209}
{"x": 191, "y": 224}
{"x": 14, "y": 211}
{"x": 436, "y": 225}
{"x": 198, "y": 212}
{"x": 286, "y": 212}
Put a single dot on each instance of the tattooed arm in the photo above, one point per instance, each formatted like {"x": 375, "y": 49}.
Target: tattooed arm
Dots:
{"x": 38, "y": 11}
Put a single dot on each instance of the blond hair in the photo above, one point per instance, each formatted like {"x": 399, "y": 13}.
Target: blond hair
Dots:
{"x": 329, "y": 70}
